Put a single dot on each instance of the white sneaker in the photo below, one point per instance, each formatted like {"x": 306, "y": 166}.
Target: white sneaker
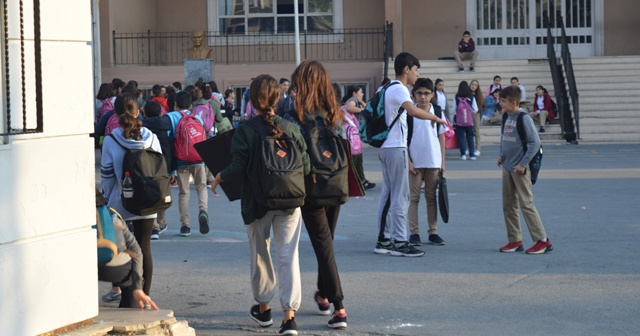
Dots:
{"x": 466, "y": 152}
{"x": 473, "y": 158}
{"x": 463, "y": 158}
{"x": 476, "y": 153}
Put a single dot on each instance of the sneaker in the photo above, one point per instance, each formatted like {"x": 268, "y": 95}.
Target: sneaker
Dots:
{"x": 162, "y": 229}
{"x": 324, "y": 308}
{"x": 460, "y": 69}
{"x": 383, "y": 247}
{"x": 473, "y": 158}
{"x": 111, "y": 296}
{"x": 368, "y": 185}
{"x": 264, "y": 320}
{"x": 414, "y": 240}
{"x": 541, "y": 247}
{"x": 472, "y": 69}
{"x": 174, "y": 182}
{"x": 289, "y": 328}
{"x": 338, "y": 322}
{"x": 466, "y": 152}
{"x": 155, "y": 234}
{"x": 185, "y": 231}
{"x": 434, "y": 239}
{"x": 406, "y": 250}
{"x": 476, "y": 152}
{"x": 463, "y": 158}
{"x": 512, "y": 247}
{"x": 541, "y": 130}
{"x": 203, "y": 219}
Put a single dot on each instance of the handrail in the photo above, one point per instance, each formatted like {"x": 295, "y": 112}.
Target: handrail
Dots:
{"x": 571, "y": 79}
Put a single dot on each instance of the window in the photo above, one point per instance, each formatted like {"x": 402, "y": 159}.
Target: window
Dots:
{"x": 251, "y": 17}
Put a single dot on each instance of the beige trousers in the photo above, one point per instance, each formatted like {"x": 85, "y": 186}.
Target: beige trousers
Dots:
{"x": 430, "y": 176}
{"x": 200, "y": 181}
{"x": 516, "y": 196}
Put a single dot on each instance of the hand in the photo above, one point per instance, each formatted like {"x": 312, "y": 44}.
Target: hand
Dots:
{"x": 214, "y": 184}
{"x": 499, "y": 161}
{"x": 442, "y": 169}
{"x": 519, "y": 169}
{"x": 143, "y": 299}
{"x": 412, "y": 169}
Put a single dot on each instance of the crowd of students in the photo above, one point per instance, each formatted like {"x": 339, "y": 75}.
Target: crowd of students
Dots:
{"x": 412, "y": 158}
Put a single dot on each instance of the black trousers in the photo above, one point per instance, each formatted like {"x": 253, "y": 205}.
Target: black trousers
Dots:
{"x": 142, "y": 231}
{"x": 120, "y": 276}
{"x": 320, "y": 223}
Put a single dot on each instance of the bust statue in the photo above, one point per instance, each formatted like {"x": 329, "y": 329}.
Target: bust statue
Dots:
{"x": 198, "y": 51}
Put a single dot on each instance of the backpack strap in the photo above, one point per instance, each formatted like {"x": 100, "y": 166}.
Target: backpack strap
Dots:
{"x": 519, "y": 126}
{"x": 400, "y": 111}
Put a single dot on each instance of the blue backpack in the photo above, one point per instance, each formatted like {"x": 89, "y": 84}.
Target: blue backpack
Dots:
{"x": 373, "y": 125}
{"x": 106, "y": 233}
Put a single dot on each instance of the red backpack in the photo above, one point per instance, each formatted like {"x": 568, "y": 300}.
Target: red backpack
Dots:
{"x": 189, "y": 132}
{"x": 112, "y": 124}
{"x": 107, "y": 106}
{"x": 205, "y": 111}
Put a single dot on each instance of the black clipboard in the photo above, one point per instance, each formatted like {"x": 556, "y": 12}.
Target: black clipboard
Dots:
{"x": 216, "y": 154}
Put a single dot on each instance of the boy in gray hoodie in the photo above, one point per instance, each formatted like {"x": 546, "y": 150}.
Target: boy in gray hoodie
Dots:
{"x": 516, "y": 178}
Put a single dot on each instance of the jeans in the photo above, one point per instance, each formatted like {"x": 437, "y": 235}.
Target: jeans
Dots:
{"x": 465, "y": 137}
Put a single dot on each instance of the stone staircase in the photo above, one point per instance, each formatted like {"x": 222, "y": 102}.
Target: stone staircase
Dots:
{"x": 608, "y": 89}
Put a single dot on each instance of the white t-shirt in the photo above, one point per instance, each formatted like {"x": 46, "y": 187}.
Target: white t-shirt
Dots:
{"x": 394, "y": 97}
{"x": 425, "y": 148}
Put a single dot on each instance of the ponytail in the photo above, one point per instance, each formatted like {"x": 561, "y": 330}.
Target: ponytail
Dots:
{"x": 130, "y": 124}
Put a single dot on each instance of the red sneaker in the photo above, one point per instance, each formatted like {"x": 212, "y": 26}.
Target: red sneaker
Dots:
{"x": 540, "y": 247}
{"x": 512, "y": 247}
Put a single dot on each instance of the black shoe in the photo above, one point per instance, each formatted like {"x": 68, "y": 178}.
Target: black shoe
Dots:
{"x": 289, "y": 328}
{"x": 203, "y": 219}
{"x": 337, "y": 322}
{"x": 460, "y": 69}
{"x": 368, "y": 185}
{"x": 264, "y": 320}
{"x": 434, "y": 239}
{"x": 541, "y": 130}
{"x": 415, "y": 240}
{"x": 406, "y": 250}
{"x": 185, "y": 231}
{"x": 472, "y": 69}
{"x": 324, "y": 308}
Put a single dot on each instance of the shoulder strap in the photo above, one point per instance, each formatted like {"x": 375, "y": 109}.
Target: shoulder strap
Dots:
{"x": 409, "y": 130}
{"x": 400, "y": 111}
{"x": 118, "y": 142}
{"x": 521, "y": 132}
{"x": 438, "y": 112}
{"x": 258, "y": 126}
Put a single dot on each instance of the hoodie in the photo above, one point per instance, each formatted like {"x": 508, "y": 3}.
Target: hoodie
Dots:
{"x": 111, "y": 167}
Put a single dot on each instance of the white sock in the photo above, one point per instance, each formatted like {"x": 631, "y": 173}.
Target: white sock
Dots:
{"x": 544, "y": 240}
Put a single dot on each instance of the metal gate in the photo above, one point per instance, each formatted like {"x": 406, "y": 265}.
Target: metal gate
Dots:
{"x": 511, "y": 29}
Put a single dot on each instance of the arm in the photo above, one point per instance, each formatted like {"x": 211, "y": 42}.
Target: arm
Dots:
{"x": 441, "y": 140}
{"x": 107, "y": 172}
{"x": 532, "y": 140}
{"x": 413, "y": 111}
{"x": 352, "y": 108}
{"x": 461, "y": 46}
{"x": 471, "y": 46}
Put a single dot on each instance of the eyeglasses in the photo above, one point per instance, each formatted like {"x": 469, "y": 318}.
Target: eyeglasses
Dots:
{"x": 423, "y": 93}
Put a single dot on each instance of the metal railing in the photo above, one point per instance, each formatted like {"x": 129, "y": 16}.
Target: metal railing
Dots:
{"x": 157, "y": 48}
{"x": 20, "y": 89}
{"x": 571, "y": 81}
{"x": 559, "y": 86}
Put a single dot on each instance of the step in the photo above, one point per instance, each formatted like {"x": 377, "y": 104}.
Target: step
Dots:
{"x": 589, "y": 121}
{"x": 604, "y": 128}
{"x": 129, "y": 321}
{"x": 609, "y": 114}
{"x": 610, "y": 137}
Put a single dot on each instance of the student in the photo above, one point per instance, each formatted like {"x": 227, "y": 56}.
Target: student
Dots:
{"x": 158, "y": 96}
{"x": 131, "y": 135}
{"x": 465, "y": 133}
{"x": 245, "y": 148}
{"x": 104, "y": 101}
{"x": 315, "y": 98}
{"x": 542, "y": 107}
{"x": 474, "y": 85}
{"x": 440, "y": 98}
{"x": 204, "y": 96}
{"x": 186, "y": 169}
{"x": 394, "y": 196}
{"x": 426, "y": 162}
{"x": 125, "y": 269}
{"x": 516, "y": 178}
{"x": 496, "y": 85}
{"x": 284, "y": 93}
{"x": 492, "y": 114}
{"x": 466, "y": 51}
{"x": 161, "y": 127}
{"x": 516, "y": 82}
{"x": 354, "y": 105}
{"x": 229, "y": 98}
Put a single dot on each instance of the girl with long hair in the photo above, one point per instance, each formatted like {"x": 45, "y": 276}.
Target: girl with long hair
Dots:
{"x": 477, "y": 117}
{"x": 465, "y": 134}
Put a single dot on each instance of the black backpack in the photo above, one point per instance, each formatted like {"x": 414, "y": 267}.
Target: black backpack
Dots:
{"x": 436, "y": 109}
{"x": 328, "y": 183}
{"x": 278, "y": 172}
{"x": 150, "y": 181}
{"x": 536, "y": 161}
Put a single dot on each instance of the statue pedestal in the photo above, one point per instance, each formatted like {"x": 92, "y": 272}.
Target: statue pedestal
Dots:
{"x": 195, "y": 69}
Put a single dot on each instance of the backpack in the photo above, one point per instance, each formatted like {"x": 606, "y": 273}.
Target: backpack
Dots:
{"x": 150, "y": 181}
{"x": 373, "y": 125}
{"x": 107, "y": 106}
{"x": 189, "y": 132}
{"x": 112, "y": 124}
{"x": 106, "y": 234}
{"x": 554, "y": 106}
{"x": 205, "y": 111}
{"x": 277, "y": 176}
{"x": 464, "y": 112}
{"x": 328, "y": 183}
{"x": 438, "y": 112}
{"x": 352, "y": 131}
{"x": 536, "y": 161}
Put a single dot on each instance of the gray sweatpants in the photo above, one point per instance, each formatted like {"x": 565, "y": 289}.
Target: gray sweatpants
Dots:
{"x": 394, "y": 197}
{"x": 286, "y": 235}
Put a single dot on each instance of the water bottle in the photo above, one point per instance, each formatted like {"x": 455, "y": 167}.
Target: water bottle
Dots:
{"x": 127, "y": 186}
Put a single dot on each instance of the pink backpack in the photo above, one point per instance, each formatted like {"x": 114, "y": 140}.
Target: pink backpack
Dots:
{"x": 205, "y": 111}
{"x": 464, "y": 112}
{"x": 189, "y": 132}
{"x": 351, "y": 130}
{"x": 112, "y": 124}
{"x": 107, "y": 106}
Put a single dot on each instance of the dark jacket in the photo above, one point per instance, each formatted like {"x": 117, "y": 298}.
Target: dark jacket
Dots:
{"x": 466, "y": 46}
{"x": 161, "y": 127}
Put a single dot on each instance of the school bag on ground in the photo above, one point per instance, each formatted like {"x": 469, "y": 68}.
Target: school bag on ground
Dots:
{"x": 278, "y": 174}
{"x": 536, "y": 161}
{"x": 205, "y": 111}
{"x": 373, "y": 126}
{"x": 352, "y": 130}
{"x": 107, "y": 106}
{"x": 464, "y": 112}
{"x": 150, "y": 181}
{"x": 189, "y": 132}
{"x": 328, "y": 182}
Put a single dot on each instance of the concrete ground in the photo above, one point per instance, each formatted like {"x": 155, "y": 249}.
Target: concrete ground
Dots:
{"x": 587, "y": 196}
